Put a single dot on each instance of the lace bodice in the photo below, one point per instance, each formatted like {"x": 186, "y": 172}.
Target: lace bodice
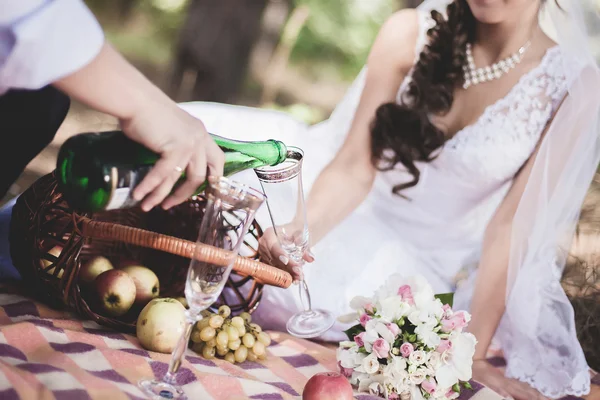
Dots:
{"x": 477, "y": 165}
{"x": 494, "y": 147}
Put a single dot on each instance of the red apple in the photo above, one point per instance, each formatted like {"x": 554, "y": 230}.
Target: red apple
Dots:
{"x": 115, "y": 291}
{"x": 94, "y": 267}
{"x": 55, "y": 251}
{"x": 327, "y": 386}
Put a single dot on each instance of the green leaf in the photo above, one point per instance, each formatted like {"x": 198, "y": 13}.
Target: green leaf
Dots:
{"x": 446, "y": 298}
{"x": 456, "y": 388}
{"x": 355, "y": 330}
{"x": 467, "y": 385}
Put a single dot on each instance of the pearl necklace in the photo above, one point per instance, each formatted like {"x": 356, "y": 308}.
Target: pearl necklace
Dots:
{"x": 474, "y": 76}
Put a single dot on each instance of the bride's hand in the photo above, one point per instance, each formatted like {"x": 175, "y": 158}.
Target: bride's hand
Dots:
{"x": 272, "y": 253}
{"x": 493, "y": 378}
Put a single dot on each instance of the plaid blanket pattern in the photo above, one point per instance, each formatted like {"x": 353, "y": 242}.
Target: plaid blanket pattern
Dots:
{"x": 49, "y": 354}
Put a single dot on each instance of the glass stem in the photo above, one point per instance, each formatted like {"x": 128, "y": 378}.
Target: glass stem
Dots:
{"x": 179, "y": 351}
{"x": 304, "y": 295}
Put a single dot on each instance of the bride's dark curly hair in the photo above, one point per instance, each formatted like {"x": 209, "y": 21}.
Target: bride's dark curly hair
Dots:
{"x": 402, "y": 133}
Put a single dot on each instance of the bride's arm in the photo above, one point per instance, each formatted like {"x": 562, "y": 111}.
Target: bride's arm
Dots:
{"x": 347, "y": 180}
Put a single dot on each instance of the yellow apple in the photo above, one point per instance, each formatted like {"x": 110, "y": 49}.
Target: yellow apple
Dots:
{"x": 92, "y": 268}
{"x": 55, "y": 251}
{"x": 160, "y": 324}
{"x": 146, "y": 283}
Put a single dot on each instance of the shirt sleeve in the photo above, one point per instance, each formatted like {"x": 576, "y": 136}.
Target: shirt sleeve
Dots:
{"x": 42, "y": 41}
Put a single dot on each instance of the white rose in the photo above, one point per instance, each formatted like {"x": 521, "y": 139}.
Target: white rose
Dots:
{"x": 412, "y": 368}
{"x": 418, "y": 357}
{"x": 370, "y": 365}
{"x": 426, "y": 370}
{"x": 445, "y": 357}
{"x": 417, "y": 377}
{"x": 435, "y": 360}
{"x": 458, "y": 362}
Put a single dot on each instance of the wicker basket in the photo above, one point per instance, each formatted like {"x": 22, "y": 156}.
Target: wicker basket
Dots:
{"x": 161, "y": 240}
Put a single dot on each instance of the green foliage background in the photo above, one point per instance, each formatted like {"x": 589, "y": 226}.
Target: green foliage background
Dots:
{"x": 333, "y": 44}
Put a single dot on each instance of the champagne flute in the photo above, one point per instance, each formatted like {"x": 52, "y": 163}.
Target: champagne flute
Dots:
{"x": 282, "y": 185}
{"x": 230, "y": 210}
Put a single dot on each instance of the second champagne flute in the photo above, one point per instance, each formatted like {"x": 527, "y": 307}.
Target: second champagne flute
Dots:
{"x": 282, "y": 185}
{"x": 230, "y": 209}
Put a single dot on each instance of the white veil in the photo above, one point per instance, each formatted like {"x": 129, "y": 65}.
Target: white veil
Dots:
{"x": 537, "y": 331}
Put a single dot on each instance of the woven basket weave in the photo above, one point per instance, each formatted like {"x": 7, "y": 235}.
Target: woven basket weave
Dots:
{"x": 162, "y": 240}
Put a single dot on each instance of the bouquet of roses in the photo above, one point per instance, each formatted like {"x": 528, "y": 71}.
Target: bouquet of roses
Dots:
{"x": 408, "y": 343}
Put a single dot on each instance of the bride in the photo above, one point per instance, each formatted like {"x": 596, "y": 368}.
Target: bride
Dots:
{"x": 445, "y": 159}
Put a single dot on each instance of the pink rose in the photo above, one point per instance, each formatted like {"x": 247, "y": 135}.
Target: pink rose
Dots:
{"x": 394, "y": 329}
{"x": 393, "y": 396}
{"x": 429, "y": 385}
{"x": 381, "y": 348}
{"x": 370, "y": 308}
{"x": 451, "y": 394}
{"x": 359, "y": 339}
{"x": 406, "y": 349}
{"x": 347, "y": 372}
{"x": 364, "y": 319}
{"x": 448, "y": 325}
{"x": 447, "y": 310}
{"x": 443, "y": 346}
{"x": 459, "y": 319}
{"x": 406, "y": 293}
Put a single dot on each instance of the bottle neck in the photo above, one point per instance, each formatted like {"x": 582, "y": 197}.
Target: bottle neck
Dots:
{"x": 270, "y": 152}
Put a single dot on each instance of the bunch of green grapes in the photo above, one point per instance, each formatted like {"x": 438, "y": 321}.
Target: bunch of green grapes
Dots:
{"x": 236, "y": 339}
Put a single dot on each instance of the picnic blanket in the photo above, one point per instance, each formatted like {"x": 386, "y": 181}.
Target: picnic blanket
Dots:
{"x": 49, "y": 354}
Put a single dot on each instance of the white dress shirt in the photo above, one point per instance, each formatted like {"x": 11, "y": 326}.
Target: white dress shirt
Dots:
{"x": 42, "y": 41}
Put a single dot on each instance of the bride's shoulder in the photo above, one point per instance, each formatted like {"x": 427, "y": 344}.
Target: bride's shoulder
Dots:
{"x": 397, "y": 39}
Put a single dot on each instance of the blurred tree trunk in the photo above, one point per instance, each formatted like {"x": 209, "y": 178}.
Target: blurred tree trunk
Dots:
{"x": 214, "y": 48}
{"x": 411, "y": 3}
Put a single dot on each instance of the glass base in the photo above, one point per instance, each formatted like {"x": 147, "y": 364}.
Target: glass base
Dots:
{"x": 158, "y": 390}
{"x": 310, "y": 324}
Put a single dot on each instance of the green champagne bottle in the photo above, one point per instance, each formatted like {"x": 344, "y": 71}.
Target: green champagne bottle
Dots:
{"x": 98, "y": 171}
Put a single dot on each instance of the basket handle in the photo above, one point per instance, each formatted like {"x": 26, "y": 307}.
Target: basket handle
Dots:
{"x": 264, "y": 273}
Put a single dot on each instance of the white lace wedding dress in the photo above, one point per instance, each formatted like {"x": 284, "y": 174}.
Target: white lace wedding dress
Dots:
{"x": 439, "y": 232}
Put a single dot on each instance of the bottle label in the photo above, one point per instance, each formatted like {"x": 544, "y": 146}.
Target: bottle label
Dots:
{"x": 124, "y": 181}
